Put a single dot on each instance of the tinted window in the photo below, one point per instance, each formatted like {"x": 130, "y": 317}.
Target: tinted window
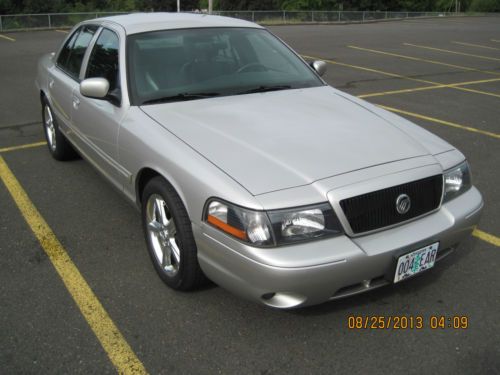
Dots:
{"x": 71, "y": 56}
{"x": 66, "y": 50}
{"x": 215, "y": 61}
{"x": 103, "y": 61}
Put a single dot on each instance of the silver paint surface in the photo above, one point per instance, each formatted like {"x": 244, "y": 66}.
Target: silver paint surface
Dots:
{"x": 264, "y": 151}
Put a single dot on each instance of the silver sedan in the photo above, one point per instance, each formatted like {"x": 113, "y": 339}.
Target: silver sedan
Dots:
{"x": 248, "y": 169}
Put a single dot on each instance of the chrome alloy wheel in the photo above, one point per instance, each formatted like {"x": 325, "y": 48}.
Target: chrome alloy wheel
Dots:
{"x": 161, "y": 232}
{"x": 49, "y": 128}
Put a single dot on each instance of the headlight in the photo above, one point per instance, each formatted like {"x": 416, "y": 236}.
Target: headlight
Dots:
{"x": 457, "y": 180}
{"x": 273, "y": 228}
{"x": 247, "y": 225}
{"x": 304, "y": 223}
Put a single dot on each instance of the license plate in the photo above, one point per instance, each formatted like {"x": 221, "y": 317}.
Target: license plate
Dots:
{"x": 415, "y": 262}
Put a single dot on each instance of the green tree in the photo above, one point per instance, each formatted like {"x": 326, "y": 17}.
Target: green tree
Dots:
{"x": 6, "y": 6}
{"x": 485, "y": 6}
{"x": 246, "y": 4}
{"x": 309, "y": 4}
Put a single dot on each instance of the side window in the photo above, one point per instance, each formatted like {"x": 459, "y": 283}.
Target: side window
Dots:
{"x": 66, "y": 50}
{"x": 71, "y": 57}
{"x": 103, "y": 61}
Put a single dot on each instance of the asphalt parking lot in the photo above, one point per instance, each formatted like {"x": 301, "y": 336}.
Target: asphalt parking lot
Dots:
{"x": 443, "y": 74}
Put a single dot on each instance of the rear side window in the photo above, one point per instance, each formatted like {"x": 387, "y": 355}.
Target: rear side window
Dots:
{"x": 71, "y": 56}
{"x": 103, "y": 61}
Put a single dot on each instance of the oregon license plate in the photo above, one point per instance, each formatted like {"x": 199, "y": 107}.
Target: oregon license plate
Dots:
{"x": 416, "y": 261}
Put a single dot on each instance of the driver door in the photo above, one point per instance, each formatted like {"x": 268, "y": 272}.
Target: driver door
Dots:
{"x": 98, "y": 120}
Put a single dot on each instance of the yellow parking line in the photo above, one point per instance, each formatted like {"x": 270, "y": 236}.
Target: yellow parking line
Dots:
{"x": 453, "y": 52}
{"x": 21, "y": 147}
{"x": 476, "y": 45}
{"x": 8, "y": 38}
{"x": 118, "y": 350}
{"x": 402, "y": 91}
{"x": 486, "y": 237}
{"x": 442, "y": 122}
{"x": 394, "y": 75}
{"x": 476, "y": 91}
{"x": 461, "y": 67}
{"x": 436, "y": 86}
{"x": 62, "y": 31}
{"x": 495, "y": 40}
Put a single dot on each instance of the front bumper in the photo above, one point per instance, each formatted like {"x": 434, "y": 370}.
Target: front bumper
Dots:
{"x": 315, "y": 272}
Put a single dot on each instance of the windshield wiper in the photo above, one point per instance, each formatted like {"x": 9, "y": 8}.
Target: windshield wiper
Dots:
{"x": 265, "y": 89}
{"x": 181, "y": 97}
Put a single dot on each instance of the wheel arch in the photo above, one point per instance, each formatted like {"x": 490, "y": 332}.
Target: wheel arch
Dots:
{"x": 145, "y": 175}
{"x": 43, "y": 96}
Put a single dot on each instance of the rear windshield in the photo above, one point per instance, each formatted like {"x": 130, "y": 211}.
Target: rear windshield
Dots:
{"x": 212, "y": 61}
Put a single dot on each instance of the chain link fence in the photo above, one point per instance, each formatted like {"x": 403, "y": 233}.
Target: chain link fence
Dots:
{"x": 290, "y": 17}
{"x": 16, "y": 22}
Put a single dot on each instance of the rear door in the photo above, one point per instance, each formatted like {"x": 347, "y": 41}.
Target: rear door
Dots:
{"x": 64, "y": 78}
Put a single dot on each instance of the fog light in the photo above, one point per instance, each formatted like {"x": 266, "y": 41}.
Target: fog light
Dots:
{"x": 283, "y": 300}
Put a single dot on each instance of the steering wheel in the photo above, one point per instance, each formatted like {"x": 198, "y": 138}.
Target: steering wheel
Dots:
{"x": 252, "y": 67}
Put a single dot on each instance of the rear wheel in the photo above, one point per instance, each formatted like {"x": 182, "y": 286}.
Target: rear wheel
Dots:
{"x": 58, "y": 145}
{"x": 169, "y": 236}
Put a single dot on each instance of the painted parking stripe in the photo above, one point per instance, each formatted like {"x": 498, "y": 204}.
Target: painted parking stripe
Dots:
{"x": 442, "y": 122}
{"x": 413, "y": 58}
{"x": 467, "y": 89}
{"x": 494, "y": 240}
{"x": 62, "y": 31}
{"x": 495, "y": 40}
{"x": 112, "y": 341}
{"x": 401, "y": 91}
{"x": 22, "y": 147}
{"x": 476, "y": 45}
{"x": 452, "y": 52}
{"x": 394, "y": 75}
{"x": 7, "y": 38}
{"x": 451, "y": 86}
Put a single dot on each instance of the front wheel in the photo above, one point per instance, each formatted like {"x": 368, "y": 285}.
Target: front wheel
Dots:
{"x": 169, "y": 236}
{"x": 59, "y": 147}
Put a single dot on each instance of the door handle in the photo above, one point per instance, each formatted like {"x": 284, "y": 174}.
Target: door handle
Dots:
{"x": 51, "y": 83}
{"x": 76, "y": 102}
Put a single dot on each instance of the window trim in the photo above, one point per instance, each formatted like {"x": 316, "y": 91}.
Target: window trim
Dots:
{"x": 88, "y": 53}
{"x": 100, "y": 31}
{"x": 90, "y": 47}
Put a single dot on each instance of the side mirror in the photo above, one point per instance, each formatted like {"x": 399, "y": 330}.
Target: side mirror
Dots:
{"x": 94, "y": 88}
{"x": 319, "y": 66}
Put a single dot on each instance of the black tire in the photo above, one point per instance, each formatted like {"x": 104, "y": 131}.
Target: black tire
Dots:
{"x": 188, "y": 275}
{"x": 59, "y": 146}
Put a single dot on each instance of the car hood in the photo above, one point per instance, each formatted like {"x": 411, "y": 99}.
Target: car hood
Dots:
{"x": 277, "y": 140}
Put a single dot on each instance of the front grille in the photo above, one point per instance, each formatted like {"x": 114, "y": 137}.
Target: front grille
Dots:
{"x": 377, "y": 209}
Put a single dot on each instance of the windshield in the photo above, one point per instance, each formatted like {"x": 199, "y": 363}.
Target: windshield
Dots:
{"x": 188, "y": 64}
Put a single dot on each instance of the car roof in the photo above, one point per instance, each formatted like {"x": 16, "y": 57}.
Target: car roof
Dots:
{"x": 142, "y": 22}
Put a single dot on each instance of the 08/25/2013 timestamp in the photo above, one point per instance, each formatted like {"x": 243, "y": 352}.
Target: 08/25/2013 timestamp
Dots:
{"x": 401, "y": 322}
